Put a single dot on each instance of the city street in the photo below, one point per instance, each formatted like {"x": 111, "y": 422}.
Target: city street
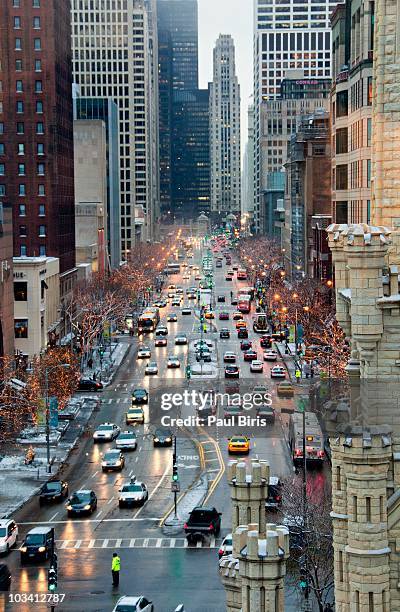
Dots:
{"x": 162, "y": 567}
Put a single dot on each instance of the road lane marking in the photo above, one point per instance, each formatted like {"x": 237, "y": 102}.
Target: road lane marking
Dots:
{"x": 91, "y": 543}
{"x": 98, "y": 514}
{"x": 136, "y": 460}
{"x": 126, "y": 399}
{"x": 113, "y": 520}
{"x": 145, "y": 542}
{"x": 117, "y": 401}
{"x": 167, "y": 469}
{"x": 185, "y": 544}
{"x": 54, "y": 516}
{"x": 172, "y": 543}
{"x": 95, "y": 474}
{"x": 64, "y": 544}
{"x": 110, "y": 400}
{"x": 199, "y": 544}
{"x": 132, "y": 542}
{"x": 118, "y": 543}
{"x": 110, "y": 500}
{"x": 108, "y": 543}
{"x": 159, "y": 543}
{"x": 212, "y": 542}
{"x": 130, "y": 473}
{"x": 78, "y": 544}
{"x": 105, "y": 544}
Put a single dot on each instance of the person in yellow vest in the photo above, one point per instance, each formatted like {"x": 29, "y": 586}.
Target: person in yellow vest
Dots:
{"x": 298, "y": 375}
{"x": 115, "y": 568}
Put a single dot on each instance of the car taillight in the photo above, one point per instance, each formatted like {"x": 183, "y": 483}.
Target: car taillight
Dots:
{"x": 298, "y": 452}
{"x": 321, "y": 453}
{"x": 221, "y": 551}
{"x": 185, "y": 526}
{"x": 278, "y": 498}
{"x": 211, "y": 526}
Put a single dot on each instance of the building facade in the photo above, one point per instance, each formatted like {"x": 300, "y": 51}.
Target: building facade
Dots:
{"x": 247, "y": 201}
{"x": 191, "y": 153}
{"x": 36, "y": 134}
{"x": 351, "y": 106}
{"x": 115, "y": 56}
{"x": 6, "y": 282}
{"x": 288, "y": 36}
{"x": 178, "y": 72}
{"x": 90, "y": 144}
{"x": 225, "y": 129}
{"x": 36, "y": 303}
{"x": 307, "y": 191}
{"x": 107, "y": 111}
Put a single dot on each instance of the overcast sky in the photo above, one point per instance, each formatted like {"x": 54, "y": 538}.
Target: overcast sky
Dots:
{"x": 233, "y": 17}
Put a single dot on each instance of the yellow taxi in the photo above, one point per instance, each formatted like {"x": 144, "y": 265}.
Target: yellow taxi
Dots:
{"x": 285, "y": 388}
{"x": 239, "y": 444}
{"x": 241, "y": 325}
{"x": 209, "y": 314}
{"x": 134, "y": 416}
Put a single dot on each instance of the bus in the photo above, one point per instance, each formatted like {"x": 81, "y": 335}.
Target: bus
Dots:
{"x": 260, "y": 323}
{"x": 148, "y": 320}
{"x": 315, "y": 449}
{"x": 173, "y": 268}
{"x": 244, "y": 303}
{"x": 241, "y": 274}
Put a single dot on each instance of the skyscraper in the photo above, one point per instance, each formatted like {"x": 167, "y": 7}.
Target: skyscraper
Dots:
{"x": 178, "y": 71}
{"x": 36, "y": 132}
{"x": 115, "y": 56}
{"x": 191, "y": 152}
{"x": 287, "y": 36}
{"x": 225, "y": 129}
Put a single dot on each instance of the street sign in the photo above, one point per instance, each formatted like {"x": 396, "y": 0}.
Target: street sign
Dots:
{"x": 53, "y": 412}
{"x": 175, "y": 487}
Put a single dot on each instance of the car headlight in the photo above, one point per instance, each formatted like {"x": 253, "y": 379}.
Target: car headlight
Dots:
{"x": 41, "y": 549}
{"x": 168, "y": 439}
{"x": 23, "y": 549}
{"x": 69, "y": 507}
{"x": 156, "y": 440}
{"x": 87, "y": 507}
{"x": 118, "y": 462}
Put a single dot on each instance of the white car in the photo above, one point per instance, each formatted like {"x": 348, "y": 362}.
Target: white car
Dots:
{"x": 256, "y": 366}
{"x": 278, "y": 372}
{"x": 126, "y": 440}
{"x": 151, "y": 368}
{"x": 173, "y": 362}
{"x": 144, "y": 352}
{"x": 186, "y": 311}
{"x": 270, "y": 356}
{"x": 132, "y": 493}
{"x": 176, "y": 302}
{"x": 128, "y": 603}
{"x": 226, "y": 547}
{"x": 229, "y": 357}
{"x": 8, "y": 534}
{"x": 106, "y": 432}
{"x": 113, "y": 460}
{"x": 162, "y": 341}
{"x": 181, "y": 339}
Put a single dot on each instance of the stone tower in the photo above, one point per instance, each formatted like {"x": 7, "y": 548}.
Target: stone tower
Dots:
{"x": 253, "y": 576}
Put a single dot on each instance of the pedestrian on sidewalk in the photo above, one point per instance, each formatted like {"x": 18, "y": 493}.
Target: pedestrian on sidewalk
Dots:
{"x": 90, "y": 363}
{"x": 115, "y": 569}
{"x": 298, "y": 375}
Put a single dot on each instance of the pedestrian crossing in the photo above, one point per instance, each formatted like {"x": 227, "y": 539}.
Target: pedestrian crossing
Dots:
{"x": 116, "y": 543}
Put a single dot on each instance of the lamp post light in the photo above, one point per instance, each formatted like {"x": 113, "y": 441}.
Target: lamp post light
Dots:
{"x": 46, "y": 395}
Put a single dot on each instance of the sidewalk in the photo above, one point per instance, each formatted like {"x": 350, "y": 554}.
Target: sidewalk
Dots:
{"x": 104, "y": 368}
{"x": 19, "y": 482}
{"x": 290, "y": 360}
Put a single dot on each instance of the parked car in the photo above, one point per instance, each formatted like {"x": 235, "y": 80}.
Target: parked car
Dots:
{"x": 226, "y": 547}
{"x": 274, "y": 499}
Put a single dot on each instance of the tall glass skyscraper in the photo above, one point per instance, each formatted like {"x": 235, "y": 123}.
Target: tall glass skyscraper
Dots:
{"x": 178, "y": 72}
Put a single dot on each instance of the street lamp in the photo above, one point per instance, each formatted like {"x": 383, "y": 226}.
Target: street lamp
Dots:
{"x": 46, "y": 395}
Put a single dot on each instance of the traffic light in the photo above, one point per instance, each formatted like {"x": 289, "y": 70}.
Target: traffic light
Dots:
{"x": 52, "y": 575}
{"x": 101, "y": 351}
{"x": 303, "y": 583}
{"x": 175, "y": 475}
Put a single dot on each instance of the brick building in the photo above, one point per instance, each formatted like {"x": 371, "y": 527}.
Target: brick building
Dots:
{"x": 36, "y": 135}
{"x": 6, "y": 282}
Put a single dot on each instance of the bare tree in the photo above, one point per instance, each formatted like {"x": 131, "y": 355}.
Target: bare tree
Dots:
{"x": 310, "y": 525}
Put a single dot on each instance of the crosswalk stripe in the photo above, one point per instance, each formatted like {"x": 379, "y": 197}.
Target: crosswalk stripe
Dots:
{"x": 110, "y": 401}
{"x": 117, "y": 401}
{"x": 108, "y": 543}
{"x": 126, "y": 400}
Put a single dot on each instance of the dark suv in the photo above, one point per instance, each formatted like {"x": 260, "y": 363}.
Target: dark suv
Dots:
{"x": 274, "y": 499}
{"x": 38, "y": 544}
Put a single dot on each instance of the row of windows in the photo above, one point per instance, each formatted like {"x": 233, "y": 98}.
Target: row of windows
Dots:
{"x": 22, "y": 210}
{"x": 23, "y": 252}
{"x": 23, "y": 231}
{"x": 18, "y": 23}
{"x": 19, "y": 86}
{"x": 37, "y": 44}
{"x": 17, "y": 3}
{"x": 20, "y": 129}
{"x": 22, "y": 190}
{"x": 21, "y": 148}
{"x": 340, "y": 175}
{"x": 21, "y": 169}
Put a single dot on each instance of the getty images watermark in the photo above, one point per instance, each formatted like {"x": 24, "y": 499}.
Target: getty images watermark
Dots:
{"x": 214, "y": 408}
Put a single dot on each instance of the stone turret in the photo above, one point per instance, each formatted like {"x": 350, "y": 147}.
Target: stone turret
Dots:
{"x": 253, "y": 574}
{"x": 360, "y": 466}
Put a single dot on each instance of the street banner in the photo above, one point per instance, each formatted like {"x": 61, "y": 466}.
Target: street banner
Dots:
{"x": 300, "y": 333}
{"x": 41, "y": 412}
{"x": 53, "y": 412}
{"x": 106, "y": 329}
{"x": 291, "y": 334}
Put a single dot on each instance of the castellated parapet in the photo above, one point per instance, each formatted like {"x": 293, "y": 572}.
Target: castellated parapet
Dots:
{"x": 253, "y": 575}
